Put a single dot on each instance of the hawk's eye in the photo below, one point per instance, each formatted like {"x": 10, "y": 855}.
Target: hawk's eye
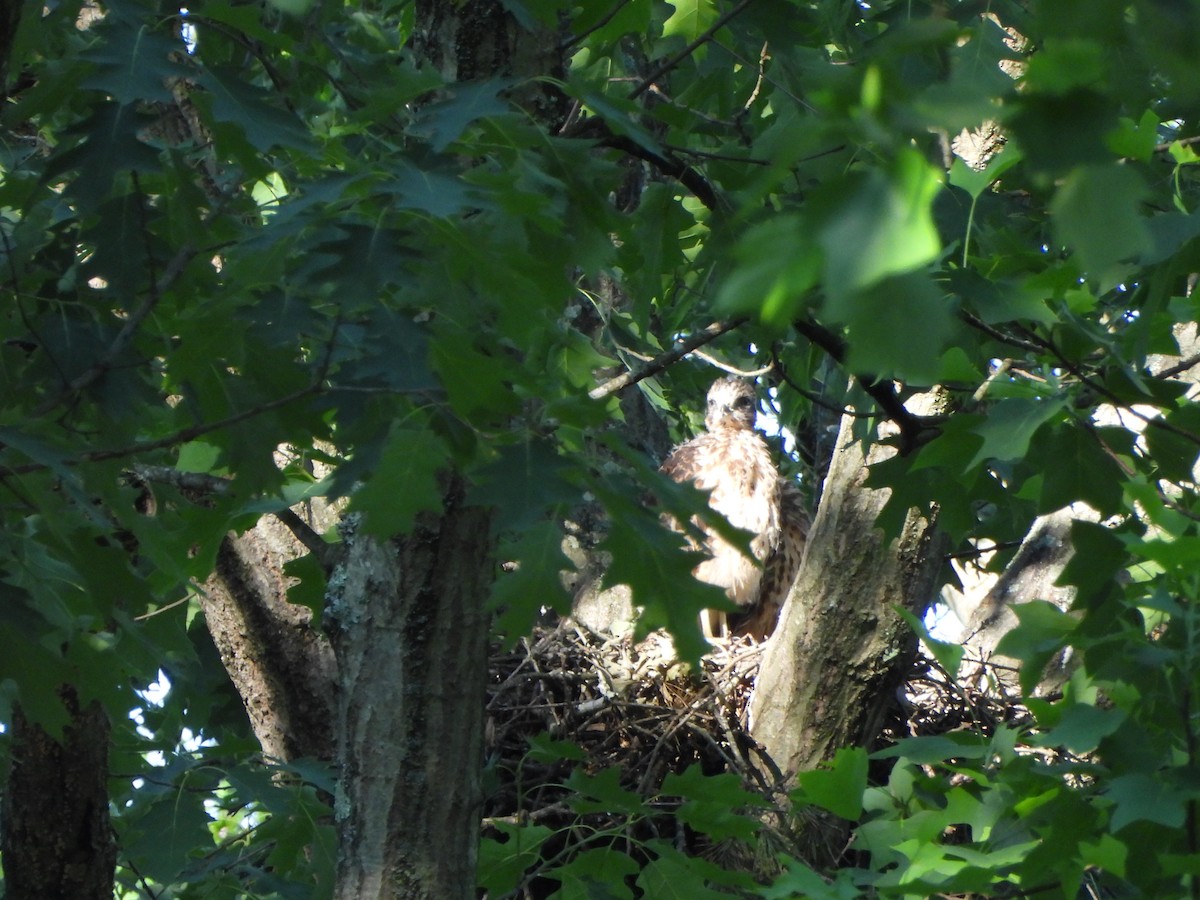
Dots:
{"x": 743, "y": 403}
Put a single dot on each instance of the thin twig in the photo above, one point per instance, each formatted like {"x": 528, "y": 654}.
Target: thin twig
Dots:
{"x": 162, "y": 609}
{"x": 660, "y": 362}
{"x": 733, "y": 370}
{"x": 604, "y": 20}
{"x": 817, "y": 399}
{"x": 97, "y": 370}
{"x": 687, "y": 51}
{"x": 979, "y": 325}
{"x": 316, "y": 386}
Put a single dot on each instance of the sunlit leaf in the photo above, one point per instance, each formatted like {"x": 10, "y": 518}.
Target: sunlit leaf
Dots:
{"x": 839, "y": 786}
{"x": 881, "y": 225}
{"x": 690, "y": 19}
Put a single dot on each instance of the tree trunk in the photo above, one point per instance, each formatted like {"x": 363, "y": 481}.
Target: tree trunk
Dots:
{"x": 1032, "y": 575}
{"x": 840, "y": 650}
{"x": 56, "y": 839}
{"x": 410, "y": 629}
{"x": 282, "y": 667}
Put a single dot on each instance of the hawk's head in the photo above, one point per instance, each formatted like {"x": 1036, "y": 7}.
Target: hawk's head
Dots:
{"x": 731, "y": 404}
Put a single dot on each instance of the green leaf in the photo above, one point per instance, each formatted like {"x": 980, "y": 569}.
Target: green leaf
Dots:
{"x": 1010, "y": 425}
{"x": 535, "y": 582}
{"x": 595, "y": 874}
{"x": 651, "y": 559}
{"x": 798, "y": 880}
{"x": 715, "y": 804}
{"x": 523, "y": 483}
{"x": 898, "y": 328}
{"x": 252, "y": 110}
{"x": 928, "y": 749}
{"x": 1098, "y": 555}
{"x": 1135, "y": 140}
{"x": 445, "y": 121}
{"x": 1170, "y": 553}
{"x": 1041, "y": 631}
{"x": 133, "y": 62}
{"x": 949, "y": 656}
{"x": 160, "y": 835}
{"x": 1107, "y": 854}
{"x": 197, "y": 456}
{"x": 426, "y": 190}
{"x": 545, "y": 749}
{"x": 602, "y": 792}
{"x": 404, "y": 483}
{"x": 1144, "y": 798}
{"x": 838, "y": 786}
{"x": 1097, "y": 213}
{"x": 36, "y": 672}
{"x": 976, "y": 181}
{"x": 112, "y": 144}
{"x": 309, "y": 587}
{"x": 604, "y": 25}
{"x": 998, "y": 301}
{"x": 502, "y": 863}
{"x": 1058, "y": 132}
{"x": 690, "y": 19}
{"x": 878, "y": 225}
{"x": 673, "y": 877}
{"x": 365, "y": 259}
{"x": 1174, "y": 452}
{"x": 1076, "y": 467}
{"x": 776, "y": 263}
{"x": 1082, "y": 727}
{"x": 1066, "y": 64}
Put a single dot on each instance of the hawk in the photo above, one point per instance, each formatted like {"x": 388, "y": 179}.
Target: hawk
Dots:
{"x": 731, "y": 461}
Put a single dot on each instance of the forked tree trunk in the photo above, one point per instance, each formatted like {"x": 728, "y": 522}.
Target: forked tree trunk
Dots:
{"x": 841, "y": 650}
{"x": 56, "y": 839}
{"x": 410, "y": 630}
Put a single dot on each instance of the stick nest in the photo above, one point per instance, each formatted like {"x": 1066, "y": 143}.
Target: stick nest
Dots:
{"x": 634, "y": 707}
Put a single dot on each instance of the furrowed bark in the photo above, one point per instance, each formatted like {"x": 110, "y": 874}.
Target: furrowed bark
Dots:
{"x": 410, "y": 629}
{"x": 56, "y": 839}
{"x": 282, "y": 667}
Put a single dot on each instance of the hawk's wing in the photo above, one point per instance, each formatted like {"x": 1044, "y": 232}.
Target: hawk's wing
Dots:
{"x": 783, "y": 564}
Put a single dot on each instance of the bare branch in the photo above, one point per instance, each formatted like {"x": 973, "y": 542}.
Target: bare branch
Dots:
{"x": 660, "y": 362}
{"x": 596, "y": 128}
{"x": 195, "y": 482}
{"x": 1180, "y": 367}
{"x": 914, "y": 430}
{"x": 326, "y": 553}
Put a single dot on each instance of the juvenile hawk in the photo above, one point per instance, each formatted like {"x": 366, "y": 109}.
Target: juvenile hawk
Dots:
{"x": 733, "y": 463}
